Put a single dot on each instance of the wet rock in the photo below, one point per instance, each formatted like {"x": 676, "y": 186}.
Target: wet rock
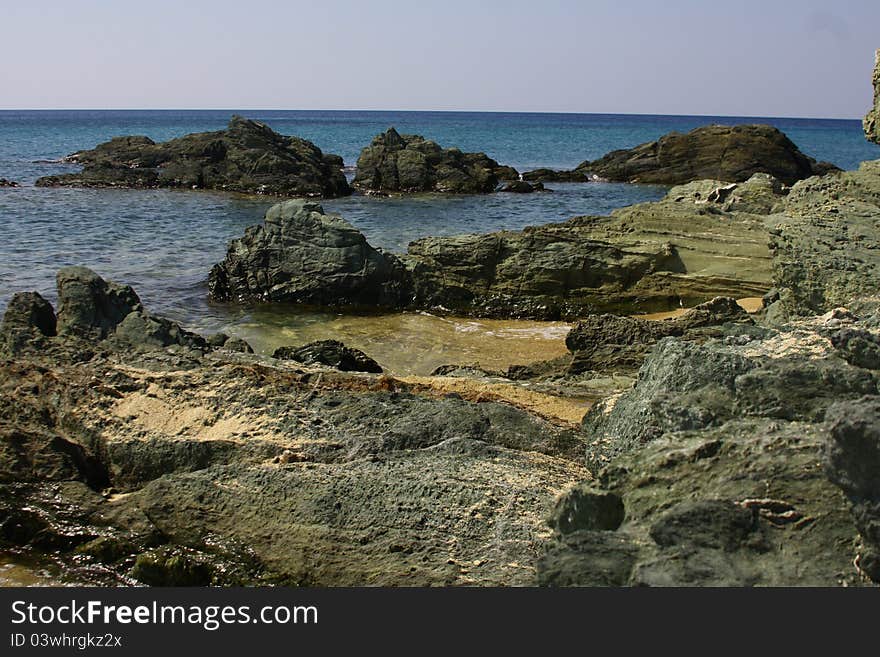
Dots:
{"x": 7, "y": 183}
{"x": 852, "y": 461}
{"x": 331, "y": 353}
{"x": 587, "y": 508}
{"x": 522, "y": 187}
{"x": 89, "y": 306}
{"x": 411, "y": 163}
{"x": 303, "y": 255}
{"x": 872, "y": 118}
{"x": 247, "y": 157}
{"x": 555, "y": 175}
{"x": 727, "y": 153}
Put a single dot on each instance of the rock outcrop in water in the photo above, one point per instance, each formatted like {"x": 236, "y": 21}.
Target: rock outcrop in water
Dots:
{"x": 728, "y": 153}
{"x": 872, "y": 118}
{"x": 7, "y": 183}
{"x": 411, "y": 163}
{"x": 683, "y": 250}
{"x": 247, "y": 157}
{"x": 331, "y": 353}
{"x": 302, "y": 255}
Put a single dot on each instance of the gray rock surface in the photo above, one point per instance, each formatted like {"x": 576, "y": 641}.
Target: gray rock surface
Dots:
{"x": 872, "y": 118}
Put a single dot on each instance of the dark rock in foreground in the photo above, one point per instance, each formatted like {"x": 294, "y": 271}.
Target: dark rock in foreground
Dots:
{"x": 303, "y": 255}
{"x": 732, "y": 154}
{"x": 411, "y": 163}
{"x": 331, "y": 353}
{"x": 247, "y": 157}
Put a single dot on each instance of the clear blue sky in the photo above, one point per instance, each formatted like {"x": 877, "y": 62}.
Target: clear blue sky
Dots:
{"x": 739, "y": 57}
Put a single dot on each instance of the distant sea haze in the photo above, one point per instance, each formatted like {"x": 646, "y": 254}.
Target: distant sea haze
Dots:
{"x": 164, "y": 242}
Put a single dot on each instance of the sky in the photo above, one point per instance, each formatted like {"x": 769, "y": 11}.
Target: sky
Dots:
{"x": 803, "y": 58}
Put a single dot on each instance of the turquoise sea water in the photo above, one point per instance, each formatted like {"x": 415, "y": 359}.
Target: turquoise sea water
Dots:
{"x": 164, "y": 242}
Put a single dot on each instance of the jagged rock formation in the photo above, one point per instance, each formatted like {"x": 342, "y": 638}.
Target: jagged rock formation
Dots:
{"x": 728, "y": 153}
{"x": 411, "y": 163}
{"x": 301, "y": 254}
{"x": 683, "y": 250}
{"x": 872, "y": 118}
{"x": 247, "y": 157}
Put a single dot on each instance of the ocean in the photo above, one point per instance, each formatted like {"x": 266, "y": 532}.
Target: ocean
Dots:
{"x": 164, "y": 242}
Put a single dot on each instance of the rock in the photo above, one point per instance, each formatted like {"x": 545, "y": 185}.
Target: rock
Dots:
{"x": 89, "y": 306}
{"x": 169, "y": 567}
{"x": 523, "y": 187}
{"x": 681, "y": 251}
{"x": 238, "y": 345}
{"x": 587, "y": 508}
{"x": 826, "y": 241}
{"x": 858, "y": 347}
{"x": 411, "y": 163}
{"x": 728, "y": 153}
{"x": 8, "y": 183}
{"x": 556, "y": 175}
{"x": 143, "y": 330}
{"x": 217, "y": 340}
{"x": 852, "y": 461}
{"x": 331, "y": 353}
{"x": 28, "y": 319}
{"x": 247, "y": 157}
{"x": 303, "y": 255}
{"x": 872, "y": 118}
{"x": 705, "y": 523}
{"x": 616, "y": 343}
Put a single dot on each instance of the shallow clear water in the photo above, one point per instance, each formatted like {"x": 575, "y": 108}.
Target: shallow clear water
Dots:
{"x": 164, "y": 242}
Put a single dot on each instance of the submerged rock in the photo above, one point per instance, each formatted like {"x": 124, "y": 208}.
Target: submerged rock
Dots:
{"x": 8, "y": 183}
{"x": 729, "y": 153}
{"x": 872, "y": 118}
{"x": 331, "y": 353}
{"x": 247, "y": 157}
{"x": 303, "y": 255}
{"x": 411, "y": 163}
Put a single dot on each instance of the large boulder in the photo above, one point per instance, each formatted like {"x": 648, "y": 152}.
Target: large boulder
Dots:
{"x": 303, "y": 255}
{"x": 872, "y": 118}
{"x": 89, "y": 306}
{"x": 247, "y": 157}
{"x": 826, "y": 241}
{"x": 726, "y": 153}
{"x": 411, "y": 163}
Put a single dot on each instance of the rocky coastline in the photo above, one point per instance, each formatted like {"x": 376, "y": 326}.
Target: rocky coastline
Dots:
{"x": 720, "y": 447}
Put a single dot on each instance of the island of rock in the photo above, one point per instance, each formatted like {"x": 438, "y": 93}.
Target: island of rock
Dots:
{"x": 247, "y": 157}
{"x": 411, "y": 163}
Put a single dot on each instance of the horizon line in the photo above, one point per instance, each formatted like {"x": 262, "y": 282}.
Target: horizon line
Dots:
{"x": 446, "y": 111}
